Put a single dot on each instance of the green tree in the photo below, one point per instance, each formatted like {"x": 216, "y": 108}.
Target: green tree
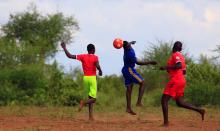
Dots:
{"x": 217, "y": 50}
{"x": 159, "y": 52}
{"x": 26, "y": 40}
{"x": 42, "y": 33}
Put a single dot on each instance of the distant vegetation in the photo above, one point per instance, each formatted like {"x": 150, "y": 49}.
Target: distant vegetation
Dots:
{"x": 29, "y": 38}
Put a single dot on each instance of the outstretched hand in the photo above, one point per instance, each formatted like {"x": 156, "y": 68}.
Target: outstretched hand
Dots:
{"x": 63, "y": 45}
{"x": 163, "y": 68}
{"x": 153, "y": 62}
{"x": 100, "y": 73}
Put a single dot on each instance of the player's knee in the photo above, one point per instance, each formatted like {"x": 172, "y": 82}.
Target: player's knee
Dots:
{"x": 178, "y": 103}
{"x": 142, "y": 83}
{"x": 163, "y": 100}
{"x": 94, "y": 100}
{"x": 128, "y": 89}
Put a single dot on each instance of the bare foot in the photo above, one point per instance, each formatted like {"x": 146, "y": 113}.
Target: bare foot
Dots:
{"x": 166, "y": 125}
{"x": 91, "y": 119}
{"x": 202, "y": 112}
{"x": 130, "y": 112}
{"x": 81, "y": 104}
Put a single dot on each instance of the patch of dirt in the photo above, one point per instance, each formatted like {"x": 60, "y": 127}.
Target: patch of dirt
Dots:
{"x": 111, "y": 122}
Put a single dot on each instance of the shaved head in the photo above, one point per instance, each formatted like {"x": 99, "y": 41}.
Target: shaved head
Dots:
{"x": 177, "y": 46}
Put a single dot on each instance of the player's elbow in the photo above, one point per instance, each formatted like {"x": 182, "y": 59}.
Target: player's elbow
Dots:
{"x": 178, "y": 66}
{"x": 72, "y": 56}
{"x": 138, "y": 62}
{"x": 68, "y": 56}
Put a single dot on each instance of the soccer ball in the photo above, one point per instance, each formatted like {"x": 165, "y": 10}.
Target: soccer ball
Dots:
{"x": 118, "y": 43}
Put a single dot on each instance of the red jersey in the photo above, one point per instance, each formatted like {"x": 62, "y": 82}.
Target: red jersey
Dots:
{"x": 175, "y": 58}
{"x": 88, "y": 63}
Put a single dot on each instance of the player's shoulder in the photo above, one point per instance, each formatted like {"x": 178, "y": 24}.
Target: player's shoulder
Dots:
{"x": 81, "y": 54}
{"x": 131, "y": 52}
{"x": 177, "y": 54}
{"x": 95, "y": 55}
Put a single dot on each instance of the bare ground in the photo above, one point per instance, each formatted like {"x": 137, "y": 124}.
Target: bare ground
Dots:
{"x": 180, "y": 120}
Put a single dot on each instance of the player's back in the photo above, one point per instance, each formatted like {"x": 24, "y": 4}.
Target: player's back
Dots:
{"x": 88, "y": 63}
{"x": 129, "y": 58}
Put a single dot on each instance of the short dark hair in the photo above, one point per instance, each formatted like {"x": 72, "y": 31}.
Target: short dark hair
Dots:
{"x": 90, "y": 47}
{"x": 125, "y": 43}
{"x": 177, "y": 46}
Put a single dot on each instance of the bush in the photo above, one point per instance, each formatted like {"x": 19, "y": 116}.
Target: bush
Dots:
{"x": 203, "y": 93}
{"x": 42, "y": 85}
{"x": 8, "y": 94}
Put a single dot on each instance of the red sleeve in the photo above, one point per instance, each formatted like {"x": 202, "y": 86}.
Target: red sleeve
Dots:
{"x": 80, "y": 57}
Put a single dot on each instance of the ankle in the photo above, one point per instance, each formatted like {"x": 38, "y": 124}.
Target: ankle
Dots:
{"x": 166, "y": 124}
{"x": 139, "y": 104}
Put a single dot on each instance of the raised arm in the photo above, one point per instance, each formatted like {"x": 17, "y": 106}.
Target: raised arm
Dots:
{"x": 99, "y": 68}
{"x": 67, "y": 52}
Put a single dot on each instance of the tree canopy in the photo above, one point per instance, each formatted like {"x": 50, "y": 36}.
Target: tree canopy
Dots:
{"x": 30, "y": 30}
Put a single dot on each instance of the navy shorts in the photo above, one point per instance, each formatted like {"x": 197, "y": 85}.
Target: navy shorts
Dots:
{"x": 131, "y": 76}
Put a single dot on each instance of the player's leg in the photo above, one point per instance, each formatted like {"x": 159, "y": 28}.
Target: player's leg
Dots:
{"x": 129, "y": 85}
{"x": 91, "y": 87}
{"x": 128, "y": 98}
{"x": 92, "y": 90}
{"x": 92, "y": 96}
{"x": 164, "y": 102}
{"x": 90, "y": 100}
{"x": 91, "y": 112}
{"x": 86, "y": 88}
{"x": 140, "y": 94}
{"x": 136, "y": 78}
{"x": 181, "y": 103}
{"x": 180, "y": 99}
{"x": 169, "y": 91}
{"x": 90, "y": 105}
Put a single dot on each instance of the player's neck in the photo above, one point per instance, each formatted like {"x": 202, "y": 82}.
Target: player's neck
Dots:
{"x": 176, "y": 51}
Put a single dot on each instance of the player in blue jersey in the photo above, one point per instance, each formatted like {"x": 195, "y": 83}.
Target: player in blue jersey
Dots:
{"x": 131, "y": 76}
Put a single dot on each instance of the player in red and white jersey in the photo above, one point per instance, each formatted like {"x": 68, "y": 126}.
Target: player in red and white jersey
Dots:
{"x": 176, "y": 68}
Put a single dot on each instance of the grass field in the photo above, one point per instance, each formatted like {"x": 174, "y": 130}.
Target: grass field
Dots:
{"x": 67, "y": 118}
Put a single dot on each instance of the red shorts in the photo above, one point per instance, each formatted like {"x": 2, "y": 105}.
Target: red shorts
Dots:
{"x": 175, "y": 88}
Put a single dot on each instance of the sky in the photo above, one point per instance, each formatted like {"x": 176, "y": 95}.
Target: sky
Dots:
{"x": 196, "y": 23}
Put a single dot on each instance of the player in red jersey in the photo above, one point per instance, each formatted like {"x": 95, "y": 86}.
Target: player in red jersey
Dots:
{"x": 176, "y": 68}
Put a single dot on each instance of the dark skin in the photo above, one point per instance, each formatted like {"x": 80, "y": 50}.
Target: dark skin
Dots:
{"x": 179, "y": 99}
{"x": 90, "y": 101}
{"x": 141, "y": 87}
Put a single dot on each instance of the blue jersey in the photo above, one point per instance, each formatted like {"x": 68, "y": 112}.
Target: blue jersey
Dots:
{"x": 129, "y": 73}
{"x": 129, "y": 58}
